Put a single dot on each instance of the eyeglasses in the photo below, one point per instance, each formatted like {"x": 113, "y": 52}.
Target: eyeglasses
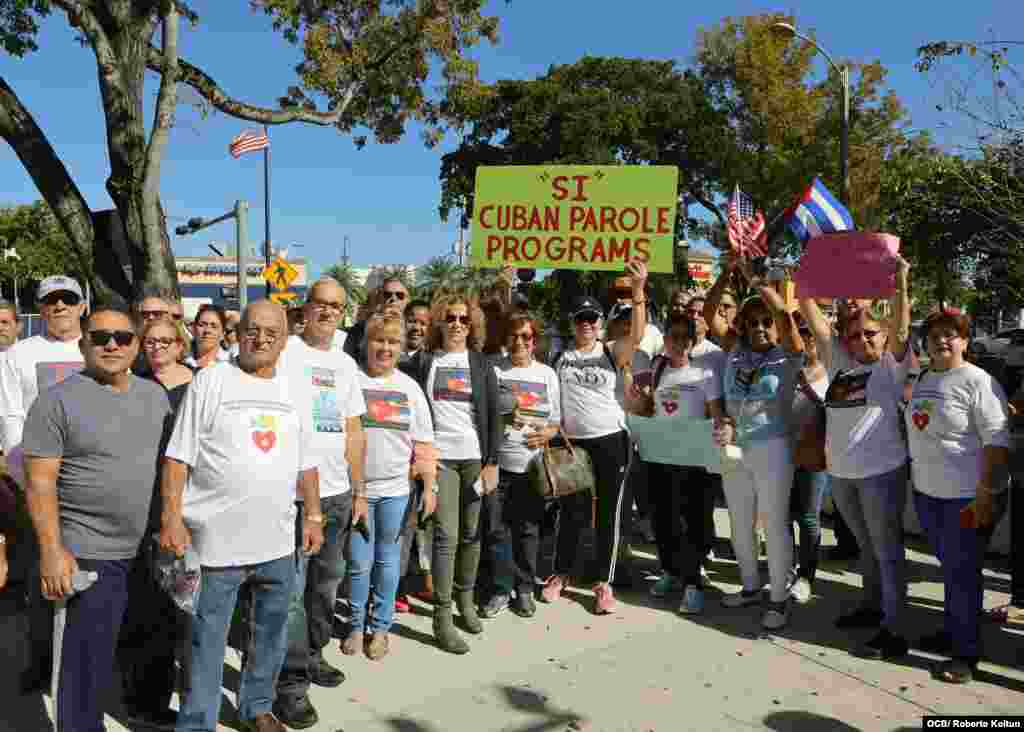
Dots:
{"x": 866, "y": 335}
{"x": 68, "y": 298}
{"x": 152, "y": 314}
{"x": 525, "y": 337}
{"x": 763, "y": 322}
{"x": 158, "y": 343}
{"x": 255, "y": 334}
{"x": 229, "y": 331}
{"x": 451, "y": 319}
{"x": 101, "y": 338}
{"x": 321, "y": 305}
{"x": 587, "y": 318}
{"x": 177, "y": 317}
{"x": 390, "y": 295}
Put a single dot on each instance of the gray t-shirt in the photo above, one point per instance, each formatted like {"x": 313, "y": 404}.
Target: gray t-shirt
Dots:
{"x": 109, "y": 445}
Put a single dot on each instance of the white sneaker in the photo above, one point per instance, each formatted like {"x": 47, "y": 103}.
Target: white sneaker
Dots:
{"x": 777, "y": 616}
{"x": 801, "y": 591}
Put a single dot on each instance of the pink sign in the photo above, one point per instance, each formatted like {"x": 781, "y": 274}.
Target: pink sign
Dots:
{"x": 849, "y": 264}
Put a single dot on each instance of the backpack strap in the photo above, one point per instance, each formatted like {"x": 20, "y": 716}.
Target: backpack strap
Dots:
{"x": 660, "y": 363}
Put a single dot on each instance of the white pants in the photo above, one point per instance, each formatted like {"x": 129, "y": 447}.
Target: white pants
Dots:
{"x": 761, "y": 483}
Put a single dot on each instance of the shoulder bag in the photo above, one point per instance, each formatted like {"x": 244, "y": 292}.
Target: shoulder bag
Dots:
{"x": 809, "y": 451}
{"x": 562, "y": 470}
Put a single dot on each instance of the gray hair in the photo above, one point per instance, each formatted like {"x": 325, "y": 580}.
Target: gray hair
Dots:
{"x": 243, "y": 322}
{"x": 324, "y": 280}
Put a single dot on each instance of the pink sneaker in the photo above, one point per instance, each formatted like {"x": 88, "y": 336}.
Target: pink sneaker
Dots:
{"x": 402, "y": 604}
{"x": 604, "y": 599}
{"x": 553, "y": 588}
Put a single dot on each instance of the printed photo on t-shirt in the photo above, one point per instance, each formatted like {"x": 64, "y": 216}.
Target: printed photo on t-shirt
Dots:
{"x": 51, "y": 373}
{"x": 531, "y": 397}
{"x": 848, "y": 389}
{"x": 452, "y": 385}
{"x": 386, "y": 409}
{"x": 326, "y": 415}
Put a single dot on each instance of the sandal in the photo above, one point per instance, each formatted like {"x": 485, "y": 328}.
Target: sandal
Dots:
{"x": 955, "y": 671}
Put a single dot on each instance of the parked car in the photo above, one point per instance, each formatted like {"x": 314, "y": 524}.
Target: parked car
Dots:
{"x": 1002, "y": 355}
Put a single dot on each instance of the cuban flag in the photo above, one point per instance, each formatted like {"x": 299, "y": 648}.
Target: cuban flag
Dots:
{"x": 817, "y": 212}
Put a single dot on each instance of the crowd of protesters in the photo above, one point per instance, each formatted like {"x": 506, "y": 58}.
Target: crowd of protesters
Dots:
{"x": 305, "y": 466}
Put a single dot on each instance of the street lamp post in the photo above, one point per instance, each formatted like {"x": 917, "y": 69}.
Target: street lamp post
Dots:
{"x": 240, "y": 213}
{"x": 844, "y": 133}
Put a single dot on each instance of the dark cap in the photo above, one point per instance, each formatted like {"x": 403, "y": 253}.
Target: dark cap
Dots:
{"x": 586, "y": 304}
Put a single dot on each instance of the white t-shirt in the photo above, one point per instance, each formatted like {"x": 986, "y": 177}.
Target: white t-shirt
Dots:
{"x": 707, "y": 355}
{"x": 863, "y": 436}
{"x": 536, "y": 391}
{"x": 245, "y": 439}
{"x": 952, "y": 416}
{"x": 450, "y": 390}
{"x": 684, "y": 392}
{"x": 333, "y": 378}
{"x": 587, "y": 384}
{"x": 29, "y": 367}
{"x": 397, "y": 414}
{"x": 803, "y": 408}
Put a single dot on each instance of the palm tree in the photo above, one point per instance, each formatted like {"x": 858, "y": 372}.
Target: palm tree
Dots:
{"x": 350, "y": 281}
{"x": 438, "y": 274}
{"x": 401, "y": 272}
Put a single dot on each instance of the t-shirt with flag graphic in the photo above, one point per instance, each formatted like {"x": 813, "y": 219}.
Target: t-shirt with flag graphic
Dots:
{"x": 538, "y": 404}
{"x": 863, "y": 436}
{"x": 333, "y": 380}
{"x": 397, "y": 415}
{"x": 450, "y": 390}
{"x": 952, "y": 416}
{"x": 28, "y": 368}
{"x": 245, "y": 439}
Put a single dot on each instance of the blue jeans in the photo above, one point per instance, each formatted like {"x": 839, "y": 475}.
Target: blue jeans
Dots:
{"x": 805, "y": 501}
{"x": 271, "y": 584}
{"x": 961, "y": 552}
{"x": 311, "y": 610}
{"x": 873, "y": 508}
{"x": 380, "y": 556}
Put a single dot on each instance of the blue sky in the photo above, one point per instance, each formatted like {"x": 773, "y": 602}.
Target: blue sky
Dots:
{"x": 384, "y": 198}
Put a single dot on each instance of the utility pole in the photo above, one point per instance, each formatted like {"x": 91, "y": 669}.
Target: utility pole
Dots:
{"x": 240, "y": 213}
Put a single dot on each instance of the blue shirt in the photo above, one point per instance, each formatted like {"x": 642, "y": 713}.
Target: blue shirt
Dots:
{"x": 758, "y": 391}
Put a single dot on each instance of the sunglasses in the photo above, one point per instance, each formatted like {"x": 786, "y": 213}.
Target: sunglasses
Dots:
{"x": 587, "y": 318}
{"x": 394, "y": 295}
{"x": 229, "y": 331}
{"x": 101, "y": 338}
{"x": 452, "y": 319}
{"x": 68, "y": 298}
{"x": 865, "y": 334}
{"x": 525, "y": 337}
{"x": 150, "y": 343}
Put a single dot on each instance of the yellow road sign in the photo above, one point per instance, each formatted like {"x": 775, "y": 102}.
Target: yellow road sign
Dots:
{"x": 283, "y": 298}
{"x": 279, "y": 274}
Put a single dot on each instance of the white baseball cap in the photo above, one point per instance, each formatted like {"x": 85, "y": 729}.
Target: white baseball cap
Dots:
{"x": 58, "y": 283}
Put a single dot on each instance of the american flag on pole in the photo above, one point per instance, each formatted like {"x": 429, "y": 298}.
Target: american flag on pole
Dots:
{"x": 747, "y": 235}
{"x": 249, "y": 141}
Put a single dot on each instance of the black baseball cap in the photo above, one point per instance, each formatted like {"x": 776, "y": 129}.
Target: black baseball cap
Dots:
{"x": 586, "y": 304}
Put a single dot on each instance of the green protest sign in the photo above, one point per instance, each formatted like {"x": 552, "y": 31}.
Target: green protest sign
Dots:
{"x": 574, "y": 216}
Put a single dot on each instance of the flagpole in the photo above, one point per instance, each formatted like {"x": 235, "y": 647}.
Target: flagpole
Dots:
{"x": 266, "y": 204}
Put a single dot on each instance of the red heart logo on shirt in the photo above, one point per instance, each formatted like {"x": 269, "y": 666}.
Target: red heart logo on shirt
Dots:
{"x": 264, "y": 440}
{"x": 669, "y": 407}
{"x": 921, "y": 420}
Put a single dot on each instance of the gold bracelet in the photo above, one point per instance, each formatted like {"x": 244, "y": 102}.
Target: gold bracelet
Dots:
{"x": 315, "y": 519}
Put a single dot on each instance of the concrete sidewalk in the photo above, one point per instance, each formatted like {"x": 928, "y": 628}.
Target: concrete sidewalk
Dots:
{"x": 645, "y": 668}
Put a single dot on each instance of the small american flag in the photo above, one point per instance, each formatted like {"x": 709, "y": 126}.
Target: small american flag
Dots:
{"x": 747, "y": 234}
{"x": 248, "y": 141}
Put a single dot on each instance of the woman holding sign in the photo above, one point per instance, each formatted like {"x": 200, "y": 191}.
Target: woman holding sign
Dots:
{"x": 867, "y": 452}
{"x": 462, "y": 390}
{"x": 594, "y": 420}
{"x": 958, "y": 430}
{"x": 762, "y": 368}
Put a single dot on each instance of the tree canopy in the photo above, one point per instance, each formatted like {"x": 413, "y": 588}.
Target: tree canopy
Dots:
{"x": 365, "y": 65}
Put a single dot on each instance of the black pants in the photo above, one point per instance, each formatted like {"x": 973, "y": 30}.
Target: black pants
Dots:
{"x": 676, "y": 491}
{"x": 514, "y": 548}
{"x": 1017, "y": 542}
{"x": 151, "y": 635}
{"x": 610, "y": 456}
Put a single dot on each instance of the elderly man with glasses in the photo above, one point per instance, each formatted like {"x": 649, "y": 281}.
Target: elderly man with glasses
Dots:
{"x": 91, "y": 450}
{"x": 240, "y": 452}
{"x": 391, "y": 297}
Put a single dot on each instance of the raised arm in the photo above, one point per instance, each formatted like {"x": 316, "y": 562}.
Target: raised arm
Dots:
{"x": 717, "y": 325}
{"x": 899, "y": 329}
{"x": 819, "y": 326}
{"x": 789, "y": 335}
{"x": 626, "y": 347}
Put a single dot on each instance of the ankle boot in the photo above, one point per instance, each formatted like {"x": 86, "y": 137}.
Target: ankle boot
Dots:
{"x": 447, "y": 636}
{"x": 467, "y": 609}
